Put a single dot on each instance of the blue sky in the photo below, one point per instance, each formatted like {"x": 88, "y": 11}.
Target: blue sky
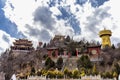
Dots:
{"x": 11, "y": 28}
{"x": 40, "y": 20}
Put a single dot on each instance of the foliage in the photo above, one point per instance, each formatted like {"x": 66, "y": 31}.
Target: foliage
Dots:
{"x": 89, "y": 72}
{"x": 84, "y": 61}
{"x": 45, "y": 56}
{"x": 67, "y": 73}
{"x": 32, "y": 71}
{"x": 75, "y": 73}
{"x": 49, "y": 63}
{"x": 94, "y": 70}
{"x": 115, "y": 74}
{"x": 43, "y": 71}
{"x": 50, "y": 74}
{"x": 107, "y": 75}
{"x": 54, "y": 74}
{"x": 53, "y": 54}
{"x": 60, "y": 75}
{"x": 44, "y": 45}
{"x": 72, "y": 48}
{"x": 113, "y": 46}
{"x": 59, "y": 63}
{"x": 82, "y": 72}
{"x": 117, "y": 68}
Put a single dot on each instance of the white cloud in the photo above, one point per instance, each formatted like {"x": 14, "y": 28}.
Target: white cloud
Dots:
{"x": 111, "y": 22}
{"x": 92, "y": 20}
{"x": 56, "y": 11}
{"x": 5, "y": 41}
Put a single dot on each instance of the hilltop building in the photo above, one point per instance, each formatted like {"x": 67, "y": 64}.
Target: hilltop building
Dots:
{"x": 94, "y": 53}
{"x": 22, "y": 45}
{"x": 59, "y": 38}
{"x": 56, "y": 46}
{"x": 105, "y": 36}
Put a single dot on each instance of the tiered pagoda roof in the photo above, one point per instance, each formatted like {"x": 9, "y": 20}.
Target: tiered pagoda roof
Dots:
{"x": 22, "y": 44}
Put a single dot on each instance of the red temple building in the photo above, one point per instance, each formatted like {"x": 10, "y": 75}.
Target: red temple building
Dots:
{"x": 52, "y": 52}
{"x": 22, "y": 44}
{"x": 94, "y": 53}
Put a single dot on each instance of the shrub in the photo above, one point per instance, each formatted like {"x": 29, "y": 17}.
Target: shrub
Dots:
{"x": 75, "y": 74}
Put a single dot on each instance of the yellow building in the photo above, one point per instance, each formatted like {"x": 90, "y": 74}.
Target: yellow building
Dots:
{"x": 105, "y": 36}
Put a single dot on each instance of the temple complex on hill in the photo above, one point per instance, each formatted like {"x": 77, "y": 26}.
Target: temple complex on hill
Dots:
{"x": 22, "y": 44}
{"x": 59, "y": 46}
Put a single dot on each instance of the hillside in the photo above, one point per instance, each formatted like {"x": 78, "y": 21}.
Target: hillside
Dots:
{"x": 24, "y": 62}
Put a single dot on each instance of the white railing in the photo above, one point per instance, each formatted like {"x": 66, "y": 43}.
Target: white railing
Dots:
{"x": 98, "y": 77}
{"x": 36, "y": 78}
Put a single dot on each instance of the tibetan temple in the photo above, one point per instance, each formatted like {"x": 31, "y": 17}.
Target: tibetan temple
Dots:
{"x": 59, "y": 38}
{"x": 94, "y": 52}
{"x": 55, "y": 44}
{"x": 22, "y": 44}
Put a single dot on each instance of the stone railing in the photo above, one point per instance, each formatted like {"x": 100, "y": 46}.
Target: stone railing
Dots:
{"x": 98, "y": 77}
{"x": 36, "y": 78}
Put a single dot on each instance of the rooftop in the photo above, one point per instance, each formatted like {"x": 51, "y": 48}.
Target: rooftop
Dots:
{"x": 105, "y": 32}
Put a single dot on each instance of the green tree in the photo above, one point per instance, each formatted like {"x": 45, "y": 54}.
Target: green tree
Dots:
{"x": 82, "y": 72}
{"x": 84, "y": 62}
{"x": 108, "y": 75}
{"x": 60, "y": 74}
{"x": 113, "y": 46}
{"x": 50, "y": 74}
{"x": 75, "y": 74}
{"x": 53, "y": 54}
{"x": 72, "y": 48}
{"x": 94, "y": 70}
{"x": 115, "y": 74}
{"x": 67, "y": 73}
{"x": 117, "y": 68}
{"x": 32, "y": 71}
{"x": 59, "y": 63}
{"x": 49, "y": 63}
{"x": 44, "y": 45}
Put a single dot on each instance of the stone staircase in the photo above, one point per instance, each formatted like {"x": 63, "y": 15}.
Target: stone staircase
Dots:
{"x": 70, "y": 63}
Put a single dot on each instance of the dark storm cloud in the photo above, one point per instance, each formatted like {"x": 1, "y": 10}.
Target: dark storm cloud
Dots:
{"x": 5, "y": 38}
{"x": 43, "y": 16}
{"x": 98, "y": 16}
{"x": 39, "y": 34}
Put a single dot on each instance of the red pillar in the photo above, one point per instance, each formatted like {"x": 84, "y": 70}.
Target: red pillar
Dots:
{"x": 77, "y": 52}
{"x": 56, "y": 52}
